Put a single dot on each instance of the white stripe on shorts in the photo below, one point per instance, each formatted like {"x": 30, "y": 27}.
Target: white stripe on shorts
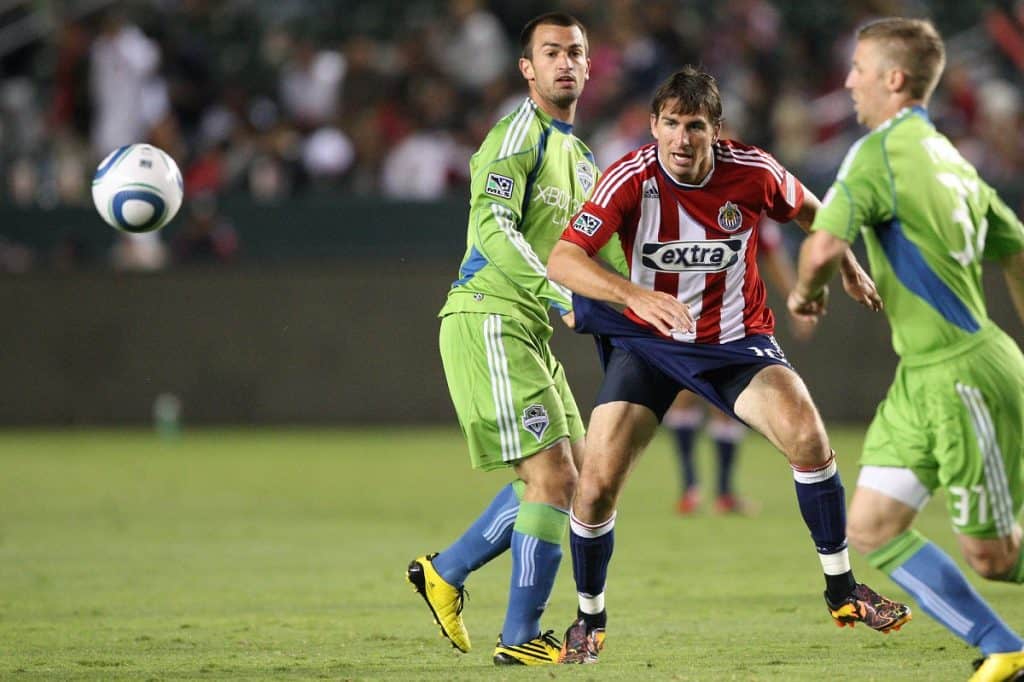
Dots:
{"x": 501, "y": 389}
{"x": 996, "y": 484}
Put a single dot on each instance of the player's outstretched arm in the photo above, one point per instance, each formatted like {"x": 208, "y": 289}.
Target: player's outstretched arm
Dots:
{"x": 857, "y": 283}
{"x": 570, "y": 265}
{"x": 819, "y": 259}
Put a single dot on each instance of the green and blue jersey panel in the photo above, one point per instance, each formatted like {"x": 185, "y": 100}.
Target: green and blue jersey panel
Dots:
{"x": 527, "y": 179}
{"x": 928, "y": 221}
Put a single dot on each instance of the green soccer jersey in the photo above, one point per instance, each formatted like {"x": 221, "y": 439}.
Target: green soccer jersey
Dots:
{"x": 529, "y": 176}
{"x": 928, "y": 220}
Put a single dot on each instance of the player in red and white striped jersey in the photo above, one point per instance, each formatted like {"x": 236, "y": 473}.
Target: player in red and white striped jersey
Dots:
{"x": 686, "y": 209}
{"x": 697, "y": 240}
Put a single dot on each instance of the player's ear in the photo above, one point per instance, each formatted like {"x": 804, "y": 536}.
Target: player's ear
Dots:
{"x": 654, "y": 126}
{"x": 716, "y": 132}
{"x": 526, "y": 68}
{"x": 896, "y": 80}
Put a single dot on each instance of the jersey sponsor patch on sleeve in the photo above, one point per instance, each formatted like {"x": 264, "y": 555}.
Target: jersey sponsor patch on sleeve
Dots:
{"x": 587, "y": 223}
{"x": 499, "y": 185}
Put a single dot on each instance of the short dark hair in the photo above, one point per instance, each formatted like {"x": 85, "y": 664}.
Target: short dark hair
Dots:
{"x": 695, "y": 92}
{"x": 912, "y": 45}
{"x": 553, "y": 18}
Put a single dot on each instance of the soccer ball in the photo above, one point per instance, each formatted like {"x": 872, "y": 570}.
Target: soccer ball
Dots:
{"x": 137, "y": 188}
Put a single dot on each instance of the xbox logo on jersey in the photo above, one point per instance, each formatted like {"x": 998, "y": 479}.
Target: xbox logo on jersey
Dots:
{"x": 691, "y": 256}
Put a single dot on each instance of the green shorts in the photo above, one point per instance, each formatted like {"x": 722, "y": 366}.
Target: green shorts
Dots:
{"x": 509, "y": 391}
{"x": 958, "y": 424}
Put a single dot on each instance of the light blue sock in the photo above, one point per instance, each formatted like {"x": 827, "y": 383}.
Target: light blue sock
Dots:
{"x": 489, "y": 536}
{"x": 536, "y": 554}
{"x": 941, "y": 589}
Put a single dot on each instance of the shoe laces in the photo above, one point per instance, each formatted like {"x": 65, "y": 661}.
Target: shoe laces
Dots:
{"x": 460, "y": 601}
{"x": 550, "y": 639}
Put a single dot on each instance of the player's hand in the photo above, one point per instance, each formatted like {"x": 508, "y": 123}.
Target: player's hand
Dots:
{"x": 861, "y": 288}
{"x": 666, "y": 312}
{"x": 570, "y": 319}
{"x": 808, "y": 308}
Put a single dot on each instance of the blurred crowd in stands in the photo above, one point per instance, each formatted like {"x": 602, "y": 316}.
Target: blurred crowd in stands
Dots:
{"x": 390, "y": 97}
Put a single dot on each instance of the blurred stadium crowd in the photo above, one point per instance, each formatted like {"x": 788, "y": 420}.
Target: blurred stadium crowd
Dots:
{"x": 390, "y": 97}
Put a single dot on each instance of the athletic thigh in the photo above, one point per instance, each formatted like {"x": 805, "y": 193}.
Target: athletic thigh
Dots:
{"x": 509, "y": 394}
{"x": 778, "y": 405}
{"x": 616, "y": 436}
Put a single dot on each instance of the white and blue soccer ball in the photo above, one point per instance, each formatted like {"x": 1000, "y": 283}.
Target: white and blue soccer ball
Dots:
{"x": 137, "y": 188}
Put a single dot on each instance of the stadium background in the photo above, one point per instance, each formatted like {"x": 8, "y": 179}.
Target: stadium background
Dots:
{"x": 324, "y": 146}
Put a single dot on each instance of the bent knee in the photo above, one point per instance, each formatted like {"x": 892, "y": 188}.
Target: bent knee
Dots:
{"x": 809, "y": 448}
{"x": 562, "y": 486}
{"x": 595, "y": 497}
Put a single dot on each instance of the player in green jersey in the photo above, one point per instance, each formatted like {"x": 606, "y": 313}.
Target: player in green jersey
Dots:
{"x": 954, "y": 415}
{"x": 510, "y": 393}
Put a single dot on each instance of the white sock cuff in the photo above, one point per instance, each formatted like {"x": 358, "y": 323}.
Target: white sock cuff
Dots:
{"x": 816, "y": 474}
{"x": 591, "y": 530}
{"x": 835, "y": 564}
{"x": 591, "y": 604}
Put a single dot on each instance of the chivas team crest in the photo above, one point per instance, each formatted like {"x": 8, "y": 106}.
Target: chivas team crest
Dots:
{"x": 535, "y": 420}
{"x": 729, "y": 217}
{"x": 585, "y": 174}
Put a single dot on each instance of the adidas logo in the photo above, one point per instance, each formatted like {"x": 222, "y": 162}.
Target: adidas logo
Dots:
{"x": 651, "y": 193}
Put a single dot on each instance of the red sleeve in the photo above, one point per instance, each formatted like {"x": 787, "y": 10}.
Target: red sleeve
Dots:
{"x": 615, "y": 198}
{"x": 785, "y": 197}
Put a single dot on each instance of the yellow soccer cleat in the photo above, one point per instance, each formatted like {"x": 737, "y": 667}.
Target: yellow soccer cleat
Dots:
{"x": 1005, "y": 667}
{"x": 541, "y": 650}
{"x": 443, "y": 599}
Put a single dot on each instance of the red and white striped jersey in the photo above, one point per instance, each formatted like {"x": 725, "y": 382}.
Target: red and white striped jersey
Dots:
{"x": 697, "y": 242}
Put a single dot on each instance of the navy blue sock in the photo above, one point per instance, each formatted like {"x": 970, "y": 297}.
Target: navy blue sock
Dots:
{"x": 685, "y": 436}
{"x": 592, "y": 547}
{"x": 489, "y": 536}
{"x": 726, "y": 450}
{"x": 822, "y": 503}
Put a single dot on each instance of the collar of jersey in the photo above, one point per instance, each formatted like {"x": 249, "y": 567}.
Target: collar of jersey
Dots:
{"x": 906, "y": 111}
{"x": 548, "y": 118}
{"x": 684, "y": 185}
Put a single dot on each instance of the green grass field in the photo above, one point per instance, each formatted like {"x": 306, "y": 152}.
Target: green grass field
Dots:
{"x": 279, "y": 554}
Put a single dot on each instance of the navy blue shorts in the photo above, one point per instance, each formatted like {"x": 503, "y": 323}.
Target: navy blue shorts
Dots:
{"x": 646, "y": 369}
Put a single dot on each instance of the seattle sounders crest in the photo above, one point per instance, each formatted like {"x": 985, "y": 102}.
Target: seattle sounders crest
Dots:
{"x": 585, "y": 174}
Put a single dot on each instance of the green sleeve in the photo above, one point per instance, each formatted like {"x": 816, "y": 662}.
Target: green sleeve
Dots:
{"x": 862, "y": 193}
{"x": 1005, "y": 231}
{"x": 497, "y": 196}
